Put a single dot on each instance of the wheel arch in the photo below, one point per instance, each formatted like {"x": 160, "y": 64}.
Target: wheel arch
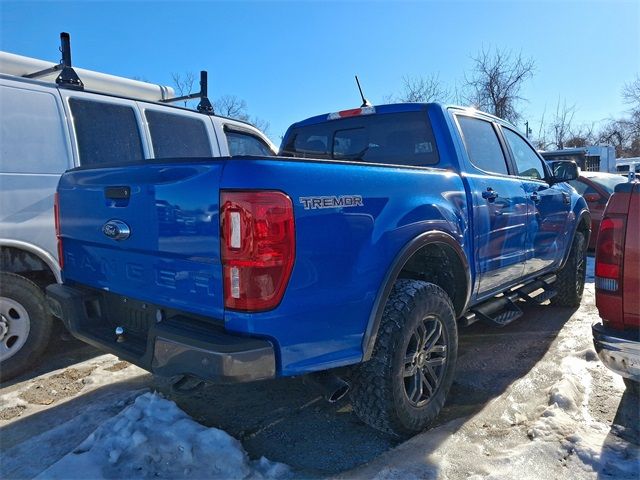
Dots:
{"x": 428, "y": 245}
{"x": 18, "y": 256}
{"x": 582, "y": 224}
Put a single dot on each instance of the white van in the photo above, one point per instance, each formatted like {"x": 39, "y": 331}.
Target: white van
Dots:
{"x": 626, "y": 165}
{"x": 66, "y": 118}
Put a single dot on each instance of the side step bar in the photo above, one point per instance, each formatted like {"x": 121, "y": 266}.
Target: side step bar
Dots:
{"x": 503, "y": 310}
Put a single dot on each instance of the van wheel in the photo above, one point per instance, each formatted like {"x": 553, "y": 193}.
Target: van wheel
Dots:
{"x": 570, "y": 282}
{"x": 25, "y": 324}
{"x": 402, "y": 388}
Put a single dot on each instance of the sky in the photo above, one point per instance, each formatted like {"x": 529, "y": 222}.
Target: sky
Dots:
{"x": 292, "y": 60}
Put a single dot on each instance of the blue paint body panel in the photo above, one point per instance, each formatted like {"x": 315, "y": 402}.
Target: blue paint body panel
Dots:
{"x": 343, "y": 254}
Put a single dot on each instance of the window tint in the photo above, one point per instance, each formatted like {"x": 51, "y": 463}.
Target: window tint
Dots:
{"x": 246, "y": 144}
{"x": 483, "y": 145}
{"x": 177, "y": 135}
{"x": 390, "y": 138}
{"x": 311, "y": 144}
{"x": 350, "y": 143}
{"x": 32, "y": 136}
{"x": 527, "y": 161}
{"x": 105, "y": 132}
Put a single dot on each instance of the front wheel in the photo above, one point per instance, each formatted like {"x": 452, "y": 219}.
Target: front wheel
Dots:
{"x": 570, "y": 282}
{"x": 25, "y": 324}
{"x": 402, "y": 388}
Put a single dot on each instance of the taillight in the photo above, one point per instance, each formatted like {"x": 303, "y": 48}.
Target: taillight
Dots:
{"x": 257, "y": 248}
{"x": 56, "y": 219}
{"x": 609, "y": 253}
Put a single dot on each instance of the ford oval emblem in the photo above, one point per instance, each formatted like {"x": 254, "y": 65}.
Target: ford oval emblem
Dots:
{"x": 116, "y": 230}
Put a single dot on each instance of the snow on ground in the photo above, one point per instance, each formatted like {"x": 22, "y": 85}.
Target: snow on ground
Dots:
{"x": 154, "y": 438}
{"x": 540, "y": 428}
{"x": 107, "y": 425}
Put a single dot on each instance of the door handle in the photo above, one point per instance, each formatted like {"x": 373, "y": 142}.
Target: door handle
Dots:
{"x": 490, "y": 194}
{"x": 535, "y": 197}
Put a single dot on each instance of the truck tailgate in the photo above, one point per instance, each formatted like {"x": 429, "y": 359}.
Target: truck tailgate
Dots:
{"x": 172, "y": 253}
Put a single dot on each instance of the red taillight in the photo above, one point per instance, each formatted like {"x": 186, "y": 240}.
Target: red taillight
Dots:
{"x": 56, "y": 219}
{"x": 609, "y": 253}
{"x": 257, "y": 248}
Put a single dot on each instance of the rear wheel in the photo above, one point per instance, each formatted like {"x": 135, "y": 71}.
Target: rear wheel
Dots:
{"x": 402, "y": 388}
{"x": 25, "y": 324}
{"x": 571, "y": 278}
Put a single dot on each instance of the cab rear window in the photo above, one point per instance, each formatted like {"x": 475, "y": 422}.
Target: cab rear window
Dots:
{"x": 392, "y": 138}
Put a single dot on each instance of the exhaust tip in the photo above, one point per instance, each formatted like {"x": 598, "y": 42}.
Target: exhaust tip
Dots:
{"x": 338, "y": 394}
{"x": 330, "y": 386}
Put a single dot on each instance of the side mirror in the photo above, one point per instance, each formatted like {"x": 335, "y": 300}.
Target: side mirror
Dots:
{"x": 564, "y": 171}
{"x": 592, "y": 197}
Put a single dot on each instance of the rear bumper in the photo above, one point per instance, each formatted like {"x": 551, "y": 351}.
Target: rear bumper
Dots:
{"x": 618, "y": 350}
{"x": 178, "y": 345}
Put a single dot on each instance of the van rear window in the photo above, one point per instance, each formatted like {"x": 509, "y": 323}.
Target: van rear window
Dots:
{"x": 177, "y": 135}
{"x": 105, "y": 132}
{"x": 391, "y": 138}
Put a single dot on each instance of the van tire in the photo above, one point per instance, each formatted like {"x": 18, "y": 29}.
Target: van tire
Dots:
{"x": 571, "y": 277}
{"x": 21, "y": 301}
{"x": 384, "y": 393}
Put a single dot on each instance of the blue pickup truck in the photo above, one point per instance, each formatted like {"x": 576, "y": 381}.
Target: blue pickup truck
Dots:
{"x": 367, "y": 242}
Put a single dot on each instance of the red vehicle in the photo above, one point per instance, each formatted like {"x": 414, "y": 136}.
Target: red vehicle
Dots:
{"x": 596, "y": 188}
{"x": 617, "y": 337}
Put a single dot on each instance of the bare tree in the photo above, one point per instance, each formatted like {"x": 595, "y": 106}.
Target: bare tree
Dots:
{"x": 183, "y": 83}
{"x": 422, "y": 90}
{"x": 631, "y": 96}
{"x": 631, "y": 93}
{"x": 540, "y": 141}
{"x": 231, "y": 106}
{"x": 623, "y": 135}
{"x": 496, "y": 81}
{"x": 581, "y": 136}
{"x": 260, "y": 124}
{"x": 560, "y": 128}
{"x": 234, "y": 107}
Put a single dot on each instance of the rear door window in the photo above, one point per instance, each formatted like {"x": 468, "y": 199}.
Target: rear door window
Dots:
{"x": 177, "y": 135}
{"x": 105, "y": 132}
{"x": 482, "y": 144}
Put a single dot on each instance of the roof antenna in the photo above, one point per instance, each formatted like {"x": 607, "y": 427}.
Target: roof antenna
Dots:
{"x": 365, "y": 102}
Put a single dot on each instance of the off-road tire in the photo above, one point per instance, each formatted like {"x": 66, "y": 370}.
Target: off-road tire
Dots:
{"x": 571, "y": 278}
{"x": 32, "y": 299}
{"x": 378, "y": 393}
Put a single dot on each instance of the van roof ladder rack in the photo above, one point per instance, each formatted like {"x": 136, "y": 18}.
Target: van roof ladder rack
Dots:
{"x": 205, "y": 105}
{"x": 68, "y": 77}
